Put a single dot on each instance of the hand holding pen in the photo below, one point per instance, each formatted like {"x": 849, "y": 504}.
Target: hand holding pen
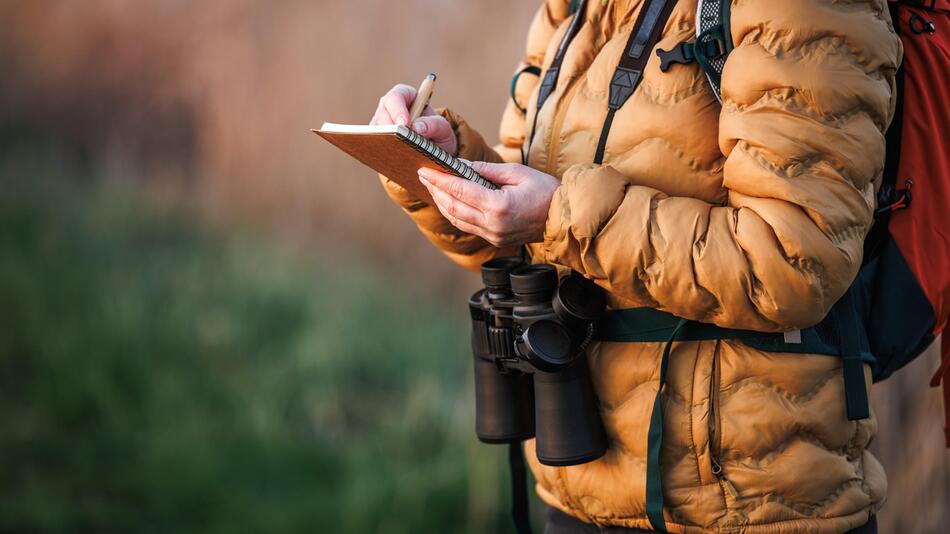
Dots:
{"x": 405, "y": 105}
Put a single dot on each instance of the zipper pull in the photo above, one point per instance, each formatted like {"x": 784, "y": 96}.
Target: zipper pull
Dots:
{"x": 730, "y": 487}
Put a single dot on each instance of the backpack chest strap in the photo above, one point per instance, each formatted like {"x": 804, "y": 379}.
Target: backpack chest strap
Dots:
{"x": 839, "y": 334}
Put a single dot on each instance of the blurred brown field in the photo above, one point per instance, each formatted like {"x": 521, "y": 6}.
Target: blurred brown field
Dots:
{"x": 209, "y": 104}
{"x": 213, "y": 101}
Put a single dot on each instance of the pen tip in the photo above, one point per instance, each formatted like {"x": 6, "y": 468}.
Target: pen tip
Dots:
{"x": 431, "y": 76}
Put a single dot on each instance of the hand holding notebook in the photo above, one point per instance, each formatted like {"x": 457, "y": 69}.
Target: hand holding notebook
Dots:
{"x": 390, "y": 147}
{"x": 466, "y": 195}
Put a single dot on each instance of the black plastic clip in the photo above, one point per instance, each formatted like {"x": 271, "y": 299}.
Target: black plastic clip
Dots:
{"x": 685, "y": 53}
{"x": 681, "y": 53}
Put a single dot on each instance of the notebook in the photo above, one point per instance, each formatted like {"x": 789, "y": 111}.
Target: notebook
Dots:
{"x": 397, "y": 153}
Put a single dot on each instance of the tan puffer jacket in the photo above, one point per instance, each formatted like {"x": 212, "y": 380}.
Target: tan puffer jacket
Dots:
{"x": 748, "y": 215}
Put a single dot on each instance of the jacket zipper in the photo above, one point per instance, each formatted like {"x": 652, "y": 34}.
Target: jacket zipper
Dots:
{"x": 715, "y": 439}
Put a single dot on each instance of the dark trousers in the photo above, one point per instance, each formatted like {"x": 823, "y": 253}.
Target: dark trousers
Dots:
{"x": 557, "y": 522}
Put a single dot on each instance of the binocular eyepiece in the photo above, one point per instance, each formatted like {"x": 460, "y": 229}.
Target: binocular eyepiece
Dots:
{"x": 531, "y": 378}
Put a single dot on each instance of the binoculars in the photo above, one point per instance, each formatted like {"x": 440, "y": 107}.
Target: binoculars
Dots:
{"x": 529, "y": 333}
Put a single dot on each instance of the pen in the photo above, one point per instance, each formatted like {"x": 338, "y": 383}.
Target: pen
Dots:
{"x": 422, "y": 97}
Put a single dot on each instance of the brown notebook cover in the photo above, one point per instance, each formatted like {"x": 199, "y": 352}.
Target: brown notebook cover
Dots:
{"x": 397, "y": 153}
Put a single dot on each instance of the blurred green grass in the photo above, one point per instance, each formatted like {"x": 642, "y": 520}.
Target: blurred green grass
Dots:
{"x": 158, "y": 374}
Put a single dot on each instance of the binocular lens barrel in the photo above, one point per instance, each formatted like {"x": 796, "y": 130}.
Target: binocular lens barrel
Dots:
{"x": 504, "y": 401}
{"x": 496, "y": 272}
{"x": 569, "y": 428}
{"x": 535, "y": 279}
{"x": 504, "y": 404}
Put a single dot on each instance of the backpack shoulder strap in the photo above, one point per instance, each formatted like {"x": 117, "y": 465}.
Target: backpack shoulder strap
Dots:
{"x": 712, "y": 45}
{"x": 646, "y": 32}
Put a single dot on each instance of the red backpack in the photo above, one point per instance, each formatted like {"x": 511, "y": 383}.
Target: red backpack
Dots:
{"x": 902, "y": 292}
{"x": 911, "y": 243}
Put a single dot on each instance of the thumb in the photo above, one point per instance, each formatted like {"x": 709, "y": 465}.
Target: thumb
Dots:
{"x": 500, "y": 173}
{"x": 436, "y": 128}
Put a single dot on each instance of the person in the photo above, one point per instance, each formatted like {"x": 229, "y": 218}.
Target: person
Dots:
{"x": 746, "y": 215}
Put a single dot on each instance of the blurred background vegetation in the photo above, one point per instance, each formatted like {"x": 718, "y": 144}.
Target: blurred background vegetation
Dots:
{"x": 210, "y": 321}
{"x": 157, "y": 374}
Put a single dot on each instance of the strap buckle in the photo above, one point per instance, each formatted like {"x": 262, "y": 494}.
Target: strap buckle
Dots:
{"x": 681, "y": 53}
{"x": 710, "y": 47}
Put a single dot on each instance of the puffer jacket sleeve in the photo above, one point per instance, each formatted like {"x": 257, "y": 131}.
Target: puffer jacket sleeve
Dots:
{"x": 513, "y": 129}
{"x": 468, "y": 250}
{"x": 807, "y": 95}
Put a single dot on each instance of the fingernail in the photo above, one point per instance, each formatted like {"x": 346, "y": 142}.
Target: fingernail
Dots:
{"x": 420, "y": 127}
{"x": 423, "y": 174}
